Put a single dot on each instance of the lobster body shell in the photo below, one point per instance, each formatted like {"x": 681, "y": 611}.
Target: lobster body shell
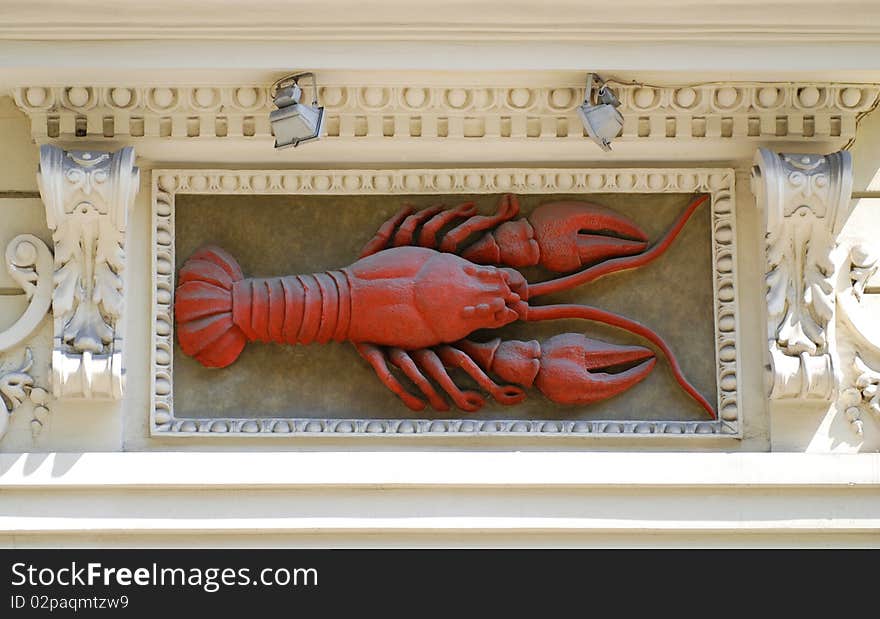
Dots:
{"x": 387, "y": 299}
{"x": 297, "y": 309}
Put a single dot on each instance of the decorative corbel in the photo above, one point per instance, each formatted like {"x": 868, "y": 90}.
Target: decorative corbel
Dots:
{"x": 88, "y": 195}
{"x": 806, "y": 201}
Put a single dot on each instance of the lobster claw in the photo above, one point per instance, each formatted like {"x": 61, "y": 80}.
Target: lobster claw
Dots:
{"x": 578, "y": 370}
{"x": 569, "y": 368}
{"x": 576, "y": 234}
{"x": 561, "y": 237}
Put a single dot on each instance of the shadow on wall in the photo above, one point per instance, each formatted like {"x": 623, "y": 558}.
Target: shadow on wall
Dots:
{"x": 30, "y": 463}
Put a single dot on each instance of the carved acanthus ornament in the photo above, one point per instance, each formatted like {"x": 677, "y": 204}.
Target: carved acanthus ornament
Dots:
{"x": 861, "y": 333}
{"x": 805, "y": 200}
{"x": 87, "y": 196}
{"x": 864, "y": 263}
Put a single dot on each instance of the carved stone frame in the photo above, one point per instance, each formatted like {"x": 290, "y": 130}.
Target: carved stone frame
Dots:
{"x": 717, "y": 182}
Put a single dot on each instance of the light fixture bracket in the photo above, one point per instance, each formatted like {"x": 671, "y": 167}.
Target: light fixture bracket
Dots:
{"x": 601, "y": 119}
{"x": 293, "y": 122}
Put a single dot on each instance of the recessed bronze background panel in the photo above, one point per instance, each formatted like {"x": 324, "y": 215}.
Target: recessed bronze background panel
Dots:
{"x": 289, "y": 234}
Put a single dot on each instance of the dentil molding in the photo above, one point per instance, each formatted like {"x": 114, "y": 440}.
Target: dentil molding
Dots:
{"x": 721, "y": 111}
{"x": 87, "y": 195}
{"x": 805, "y": 200}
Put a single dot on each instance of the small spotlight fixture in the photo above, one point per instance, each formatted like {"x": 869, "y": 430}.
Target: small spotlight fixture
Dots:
{"x": 601, "y": 119}
{"x": 294, "y": 122}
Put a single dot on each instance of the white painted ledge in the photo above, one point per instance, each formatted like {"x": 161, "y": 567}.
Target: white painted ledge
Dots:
{"x": 173, "y": 470}
{"x": 446, "y": 497}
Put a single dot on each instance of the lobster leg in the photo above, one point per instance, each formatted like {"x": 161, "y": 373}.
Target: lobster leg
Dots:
{"x": 383, "y": 234}
{"x": 376, "y": 359}
{"x": 403, "y": 361}
{"x": 504, "y": 394}
{"x": 428, "y": 235}
{"x": 400, "y": 228}
{"x": 407, "y": 229}
{"x": 508, "y": 208}
{"x": 469, "y": 401}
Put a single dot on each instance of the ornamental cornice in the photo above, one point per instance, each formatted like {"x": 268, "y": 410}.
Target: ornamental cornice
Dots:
{"x": 718, "y": 112}
{"x": 461, "y": 20}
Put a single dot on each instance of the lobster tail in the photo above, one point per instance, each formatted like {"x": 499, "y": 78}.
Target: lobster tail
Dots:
{"x": 203, "y": 308}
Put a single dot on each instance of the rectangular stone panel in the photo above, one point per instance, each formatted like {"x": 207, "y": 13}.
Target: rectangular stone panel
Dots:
{"x": 298, "y": 222}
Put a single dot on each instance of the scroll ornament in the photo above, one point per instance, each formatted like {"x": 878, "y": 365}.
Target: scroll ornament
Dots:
{"x": 88, "y": 196}
{"x": 806, "y": 201}
{"x": 29, "y": 263}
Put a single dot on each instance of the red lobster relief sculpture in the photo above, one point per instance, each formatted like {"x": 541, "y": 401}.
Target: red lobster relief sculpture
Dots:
{"x": 411, "y": 300}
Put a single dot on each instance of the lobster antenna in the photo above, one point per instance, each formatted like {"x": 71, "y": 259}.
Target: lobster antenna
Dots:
{"x": 586, "y": 312}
